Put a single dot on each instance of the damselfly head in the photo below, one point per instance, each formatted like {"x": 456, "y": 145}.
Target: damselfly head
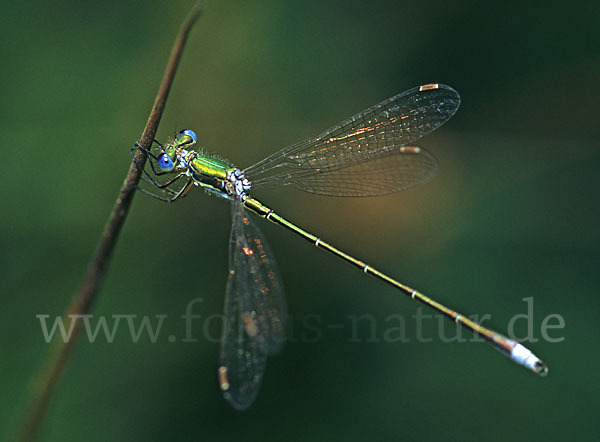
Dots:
{"x": 169, "y": 157}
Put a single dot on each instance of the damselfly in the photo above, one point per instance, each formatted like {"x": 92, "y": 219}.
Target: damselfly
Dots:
{"x": 369, "y": 154}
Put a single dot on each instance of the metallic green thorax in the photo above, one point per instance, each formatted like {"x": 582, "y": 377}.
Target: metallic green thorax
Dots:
{"x": 208, "y": 172}
{"x": 210, "y": 167}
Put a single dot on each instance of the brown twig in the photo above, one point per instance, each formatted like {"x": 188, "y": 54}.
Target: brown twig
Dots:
{"x": 52, "y": 368}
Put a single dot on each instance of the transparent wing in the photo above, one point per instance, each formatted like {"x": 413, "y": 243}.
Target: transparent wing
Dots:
{"x": 255, "y": 312}
{"x": 385, "y": 173}
{"x": 381, "y": 129}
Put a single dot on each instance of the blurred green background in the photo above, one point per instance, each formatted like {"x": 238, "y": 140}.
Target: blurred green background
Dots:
{"x": 512, "y": 213}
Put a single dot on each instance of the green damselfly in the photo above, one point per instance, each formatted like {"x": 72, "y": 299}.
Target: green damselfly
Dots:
{"x": 369, "y": 154}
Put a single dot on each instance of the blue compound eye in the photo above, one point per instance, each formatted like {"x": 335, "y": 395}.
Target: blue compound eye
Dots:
{"x": 190, "y": 133}
{"x": 165, "y": 163}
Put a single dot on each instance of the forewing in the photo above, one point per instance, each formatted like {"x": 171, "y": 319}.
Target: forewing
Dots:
{"x": 255, "y": 312}
{"x": 385, "y": 127}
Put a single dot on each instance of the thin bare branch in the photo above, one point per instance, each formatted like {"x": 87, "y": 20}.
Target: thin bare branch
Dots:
{"x": 46, "y": 381}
